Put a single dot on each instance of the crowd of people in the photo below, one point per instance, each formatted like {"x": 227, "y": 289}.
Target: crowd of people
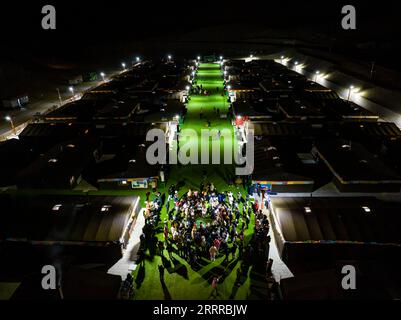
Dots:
{"x": 208, "y": 224}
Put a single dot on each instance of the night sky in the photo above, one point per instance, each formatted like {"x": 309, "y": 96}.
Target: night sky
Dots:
{"x": 78, "y": 20}
{"x": 84, "y": 23}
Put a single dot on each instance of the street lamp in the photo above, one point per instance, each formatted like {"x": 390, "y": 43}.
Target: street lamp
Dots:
{"x": 282, "y": 59}
{"x": 72, "y": 91}
{"x": 228, "y": 87}
{"x": 102, "y": 75}
{"x": 123, "y": 65}
{"x": 59, "y": 96}
{"x": 198, "y": 58}
{"x": 138, "y": 59}
{"x": 316, "y": 75}
{"x": 221, "y": 57}
{"x": 8, "y": 118}
{"x": 187, "y": 88}
{"x": 169, "y": 57}
{"x": 349, "y": 92}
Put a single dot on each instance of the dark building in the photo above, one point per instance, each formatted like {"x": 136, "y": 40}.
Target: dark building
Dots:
{"x": 355, "y": 169}
{"x": 93, "y": 228}
{"x": 14, "y": 156}
{"x": 62, "y": 167}
{"x": 329, "y": 229}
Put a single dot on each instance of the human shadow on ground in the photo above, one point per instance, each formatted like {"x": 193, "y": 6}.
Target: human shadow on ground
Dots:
{"x": 179, "y": 268}
{"x": 259, "y": 289}
{"x": 140, "y": 275}
{"x": 166, "y": 263}
{"x": 167, "y": 295}
{"x": 180, "y": 184}
{"x": 217, "y": 271}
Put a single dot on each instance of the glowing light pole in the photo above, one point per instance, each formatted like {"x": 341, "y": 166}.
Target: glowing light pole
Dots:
{"x": 123, "y": 65}
{"x": 350, "y": 92}
{"x": 59, "y": 96}
{"x": 282, "y": 59}
{"x": 72, "y": 91}
{"x": 316, "y": 75}
{"x": 102, "y": 75}
{"x": 9, "y": 119}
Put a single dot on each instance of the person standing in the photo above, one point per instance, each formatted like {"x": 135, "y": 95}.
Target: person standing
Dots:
{"x": 214, "y": 286}
{"x": 227, "y": 253}
{"x": 212, "y": 253}
{"x": 204, "y": 174}
{"x": 234, "y": 249}
{"x": 167, "y": 207}
{"x": 269, "y": 265}
{"x": 169, "y": 249}
{"x": 247, "y": 220}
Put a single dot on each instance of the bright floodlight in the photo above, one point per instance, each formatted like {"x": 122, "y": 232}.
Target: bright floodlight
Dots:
{"x": 71, "y": 89}
{"x": 198, "y": 57}
{"x": 296, "y": 62}
{"x": 8, "y": 118}
{"x": 123, "y": 65}
{"x": 187, "y": 88}
{"x": 351, "y": 87}
{"x": 366, "y": 209}
{"x": 317, "y": 72}
{"x": 282, "y": 57}
{"x": 137, "y": 59}
{"x": 228, "y": 87}
{"x": 169, "y": 57}
{"x": 221, "y": 57}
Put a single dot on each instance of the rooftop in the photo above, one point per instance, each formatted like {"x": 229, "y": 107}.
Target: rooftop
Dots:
{"x": 350, "y": 162}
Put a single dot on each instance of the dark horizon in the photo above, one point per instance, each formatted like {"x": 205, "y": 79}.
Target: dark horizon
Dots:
{"x": 88, "y": 23}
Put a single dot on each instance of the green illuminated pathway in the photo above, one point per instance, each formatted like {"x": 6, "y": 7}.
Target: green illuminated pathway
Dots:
{"x": 210, "y": 77}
